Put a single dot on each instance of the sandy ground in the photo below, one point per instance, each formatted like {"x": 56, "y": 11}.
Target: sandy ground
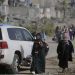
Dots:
{"x": 52, "y": 67}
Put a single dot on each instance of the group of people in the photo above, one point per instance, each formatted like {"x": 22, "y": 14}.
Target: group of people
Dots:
{"x": 65, "y": 47}
{"x": 59, "y": 31}
{"x": 64, "y": 51}
{"x": 40, "y": 50}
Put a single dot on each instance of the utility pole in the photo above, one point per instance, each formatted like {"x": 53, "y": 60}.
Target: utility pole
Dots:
{"x": 5, "y": 5}
{"x": 57, "y": 8}
{"x": 64, "y": 8}
{"x": 44, "y": 8}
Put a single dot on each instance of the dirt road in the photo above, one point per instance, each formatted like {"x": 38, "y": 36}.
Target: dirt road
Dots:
{"x": 52, "y": 67}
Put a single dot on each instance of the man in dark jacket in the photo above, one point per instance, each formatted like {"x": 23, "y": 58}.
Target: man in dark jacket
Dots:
{"x": 38, "y": 56}
{"x": 64, "y": 50}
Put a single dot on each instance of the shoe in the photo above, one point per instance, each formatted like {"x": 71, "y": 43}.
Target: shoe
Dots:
{"x": 33, "y": 72}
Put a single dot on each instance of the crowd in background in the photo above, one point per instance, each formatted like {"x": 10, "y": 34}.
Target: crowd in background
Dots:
{"x": 68, "y": 30}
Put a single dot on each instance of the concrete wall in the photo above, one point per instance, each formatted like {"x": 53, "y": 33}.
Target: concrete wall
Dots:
{"x": 24, "y": 12}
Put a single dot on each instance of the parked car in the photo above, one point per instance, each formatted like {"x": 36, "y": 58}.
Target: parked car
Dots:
{"x": 15, "y": 45}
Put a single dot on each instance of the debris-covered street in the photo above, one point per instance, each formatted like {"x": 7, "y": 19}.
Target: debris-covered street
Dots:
{"x": 52, "y": 67}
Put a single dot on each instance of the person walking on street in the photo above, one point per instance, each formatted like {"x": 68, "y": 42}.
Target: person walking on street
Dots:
{"x": 64, "y": 51}
{"x": 58, "y": 33}
{"x": 38, "y": 56}
{"x": 72, "y": 32}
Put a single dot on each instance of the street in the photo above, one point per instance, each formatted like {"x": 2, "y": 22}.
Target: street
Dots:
{"x": 52, "y": 67}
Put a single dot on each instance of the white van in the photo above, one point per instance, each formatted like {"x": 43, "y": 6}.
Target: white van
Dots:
{"x": 15, "y": 44}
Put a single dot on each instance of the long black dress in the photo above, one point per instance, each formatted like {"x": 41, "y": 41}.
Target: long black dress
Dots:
{"x": 38, "y": 57}
{"x": 64, "y": 51}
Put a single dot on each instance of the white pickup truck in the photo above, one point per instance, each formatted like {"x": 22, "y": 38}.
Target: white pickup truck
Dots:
{"x": 15, "y": 45}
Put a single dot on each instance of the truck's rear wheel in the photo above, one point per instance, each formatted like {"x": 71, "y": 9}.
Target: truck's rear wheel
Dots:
{"x": 15, "y": 64}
